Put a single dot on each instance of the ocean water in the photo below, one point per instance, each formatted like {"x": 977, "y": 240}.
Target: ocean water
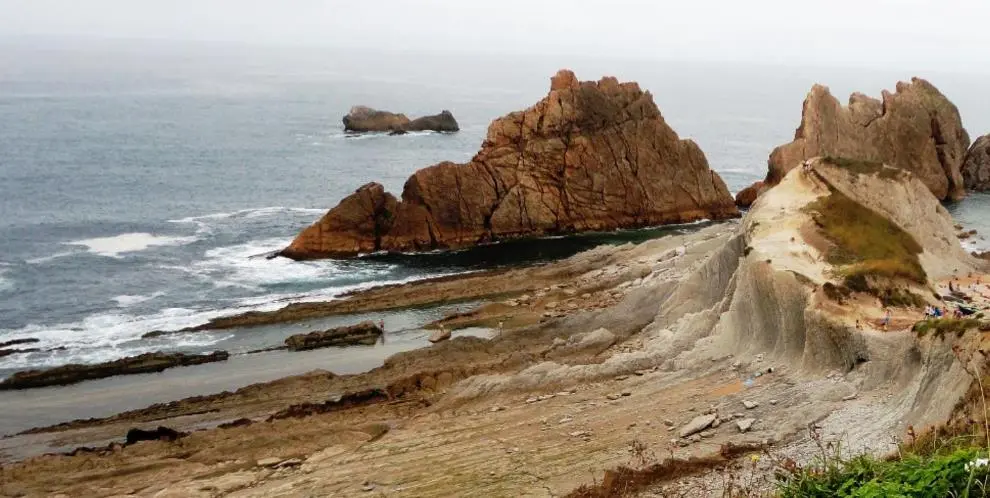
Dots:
{"x": 141, "y": 183}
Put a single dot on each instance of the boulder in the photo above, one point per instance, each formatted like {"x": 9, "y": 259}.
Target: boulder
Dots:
{"x": 162, "y": 433}
{"x": 589, "y": 156}
{"x": 364, "y": 119}
{"x": 916, "y": 128}
{"x": 747, "y": 196}
{"x": 365, "y": 333}
{"x": 697, "y": 424}
{"x": 73, "y": 373}
{"x": 976, "y": 168}
{"x": 443, "y": 122}
{"x": 8, "y": 352}
{"x": 439, "y": 336}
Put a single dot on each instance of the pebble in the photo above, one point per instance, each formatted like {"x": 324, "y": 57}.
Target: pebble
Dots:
{"x": 585, "y": 296}
{"x": 545, "y": 397}
{"x": 551, "y": 306}
{"x": 668, "y": 422}
{"x": 532, "y": 400}
{"x": 565, "y": 393}
{"x": 565, "y": 420}
{"x": 750, "y": 404}
{"x": 580, "y": 434}
{"x": 497, "y": 409}
{"x": 850, "y": 397}
{"x": 269, "y": 462}
{"x": 621, "y": 378}
{"x": 626, "y": 393}
{"x": 367, "y": 487}
{"x": 640, "y": 373}
{"x": 613, "y": 397}
{"x": 773, "y": 402}
{"x": 707, "y": 434}
{"x": 695, "y": 438}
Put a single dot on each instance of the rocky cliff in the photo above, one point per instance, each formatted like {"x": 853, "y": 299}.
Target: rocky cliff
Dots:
{"x": 976, "y": 168}
{"x": 589, "y": 156}
{"x": 915, "y": 128}
{"x": 362, "y": 119}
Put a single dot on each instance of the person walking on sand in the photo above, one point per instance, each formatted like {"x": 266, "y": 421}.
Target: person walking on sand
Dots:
{"x": 886, "y": 319}
{"x": 501, "y": 323}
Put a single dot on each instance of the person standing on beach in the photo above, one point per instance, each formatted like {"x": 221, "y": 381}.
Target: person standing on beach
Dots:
{"x": 886, "y": 318}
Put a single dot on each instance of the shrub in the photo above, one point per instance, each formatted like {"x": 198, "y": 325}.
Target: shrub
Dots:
{"x": 942, "y": 326}
{"x": 864, "y": 476}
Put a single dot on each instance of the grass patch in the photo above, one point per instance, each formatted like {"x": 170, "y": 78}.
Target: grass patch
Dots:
{"x": 867, "y": 248}
{"x": 942, "y": 326}
{"x": 934, "y": 476}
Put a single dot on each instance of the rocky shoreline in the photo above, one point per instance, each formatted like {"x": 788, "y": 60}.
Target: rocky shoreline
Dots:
{"x": 802, "y": 324}
{"x": 73, "y": 373}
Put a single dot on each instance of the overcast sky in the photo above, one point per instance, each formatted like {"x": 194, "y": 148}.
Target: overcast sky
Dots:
{"x": 930, "y": 34}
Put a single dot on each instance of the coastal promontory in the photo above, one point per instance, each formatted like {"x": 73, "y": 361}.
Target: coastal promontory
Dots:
{"x": 916, "y": 128}
{"x": 588, "y": 156}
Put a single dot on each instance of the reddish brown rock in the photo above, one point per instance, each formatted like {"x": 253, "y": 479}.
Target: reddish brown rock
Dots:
{"x": 589, "y": 156}
{"x": 747, "y": 196}
{"x": 916, "y": 128}
{"x": 976, "y": 168}
{"x": 362, "y": 119}
{"x": 365, "y": 333}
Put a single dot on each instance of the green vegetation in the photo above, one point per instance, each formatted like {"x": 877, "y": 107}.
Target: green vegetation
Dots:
{"x": 866, "y": 247}
{"x": 935, "y": 476}
{"x": 942, "y": 326}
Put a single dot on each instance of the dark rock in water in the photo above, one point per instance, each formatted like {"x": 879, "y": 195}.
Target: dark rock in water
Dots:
{"x": 162, "y": 433}
{"x": 443, "y": 122}
{"x": 590, "y": 156}
{"x": 8, "y": 352}
{"x": 71, "y": 374}
{"x": 364, "y": 333}
{"x": 16, "y": 342}
{"x": 362, "y": 119}
{"x": 976, "y": 168}
{"x": 747, "y": 196}
{"x": 397, "y": 132}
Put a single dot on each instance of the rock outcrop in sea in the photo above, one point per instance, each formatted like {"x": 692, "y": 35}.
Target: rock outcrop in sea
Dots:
{"x": 976, "y": 168}
{"x": 589, "y": 156}
{"x": 73, "y": 373}
{"x": 365, "y": 333}
{"x": 916, "y": 128}
{"x": 363, "y": 119}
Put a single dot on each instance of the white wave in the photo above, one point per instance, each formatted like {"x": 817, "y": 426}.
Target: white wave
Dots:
{"x": 126, "y": 300}
{"x": 45, "y": 259}
{"x": 114, "y": 246}
{"x": 249, "y": 213}
{"x": 109, "y": 336}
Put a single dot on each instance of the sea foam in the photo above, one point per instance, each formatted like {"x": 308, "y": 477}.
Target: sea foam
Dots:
{"x": 117, "y": 245}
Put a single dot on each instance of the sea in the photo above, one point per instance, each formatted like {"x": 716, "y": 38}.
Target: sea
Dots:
{"x": 142, "y": 182}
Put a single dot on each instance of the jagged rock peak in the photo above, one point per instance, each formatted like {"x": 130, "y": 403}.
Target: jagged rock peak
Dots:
{"x": 916, "y": 128}
{"x": 588, "y": 156}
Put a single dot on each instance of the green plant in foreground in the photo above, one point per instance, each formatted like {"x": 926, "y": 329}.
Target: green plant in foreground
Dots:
{"x": 952, "y": 474}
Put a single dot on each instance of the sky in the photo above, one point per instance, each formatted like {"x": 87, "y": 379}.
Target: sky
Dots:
{"x": 932, "y": 34}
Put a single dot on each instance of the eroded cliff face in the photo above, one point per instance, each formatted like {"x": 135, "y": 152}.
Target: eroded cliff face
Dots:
{"x": 915, "y": 128}
{"x": 589, "y": 156}
{"x": 976, "y": 168}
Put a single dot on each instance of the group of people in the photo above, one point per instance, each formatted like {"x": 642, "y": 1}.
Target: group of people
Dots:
{"x": 935, "y": 312}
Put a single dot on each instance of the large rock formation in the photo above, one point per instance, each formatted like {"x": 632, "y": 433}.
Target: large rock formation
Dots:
{"x": 976, "y": 168}
{"x": 916, "y": 129}
{"x": 362, "y": 119}
{"x": 589, "y": 156}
